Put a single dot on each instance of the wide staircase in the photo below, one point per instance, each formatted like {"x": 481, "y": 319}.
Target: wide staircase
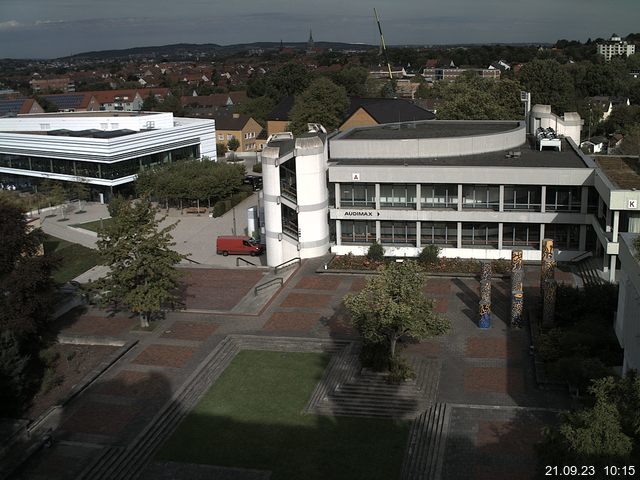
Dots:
{"x": 348, "y": 390}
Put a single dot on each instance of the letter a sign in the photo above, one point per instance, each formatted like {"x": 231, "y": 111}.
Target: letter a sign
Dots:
{"x": 355, "y": 177}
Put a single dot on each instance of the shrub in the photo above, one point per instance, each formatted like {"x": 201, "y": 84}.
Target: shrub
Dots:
{"x": 376, "y": 252}
{"x": 115, "y": 204}
{"x": 219, "y": 208}
{"x": 429, "y": 255}
{"x": 399, "y": 371}
{"x": 257, "y": 168}
{"x": 223, "y": 206}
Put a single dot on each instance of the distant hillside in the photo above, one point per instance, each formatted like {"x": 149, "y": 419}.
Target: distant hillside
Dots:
{"x": 193, "y": 49}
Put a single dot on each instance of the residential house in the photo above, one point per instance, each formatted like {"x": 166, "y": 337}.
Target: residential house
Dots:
{"x": 241, "y": 127}
{"x": 74, "y": 102}
{"x": 210, "y": 105}
{"x": 361, "y": 112}
{"x": 64, "y": 84}
{"x": 607, "y": 104}
{"x": 364, "y": 112}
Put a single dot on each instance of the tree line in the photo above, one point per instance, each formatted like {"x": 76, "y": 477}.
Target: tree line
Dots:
{"x": 201, "y": 181}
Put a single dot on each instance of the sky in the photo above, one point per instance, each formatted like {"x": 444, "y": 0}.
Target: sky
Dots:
{"x": 54, "y": 28}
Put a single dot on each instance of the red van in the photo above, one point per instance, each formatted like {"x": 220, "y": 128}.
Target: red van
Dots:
{"x": 238, "y": 246}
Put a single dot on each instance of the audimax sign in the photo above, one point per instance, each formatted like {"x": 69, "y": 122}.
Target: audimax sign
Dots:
{"x": 361, "y": 213}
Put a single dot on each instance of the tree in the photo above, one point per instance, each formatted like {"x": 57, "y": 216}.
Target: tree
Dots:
{"x": 353, "y": 79}
{"x": 549, "y": 84}
{"x": 257, "y": 108}
{"x": 143, "y": 274}
{"x": 289, "y": 79}
{"x": 608, "y": 433}
{"x": 150, "y": 103}
{"x": 475, "y": 98}
{"x": 393, "y": 305}
{"x": 221, "y": 150}
{"x": 13, "y": 374}
{"x": 631, "y": 141}
{"x": 323, "y": 102}
{"x": 25, "y": 276}
{"x": 233, "y": 144}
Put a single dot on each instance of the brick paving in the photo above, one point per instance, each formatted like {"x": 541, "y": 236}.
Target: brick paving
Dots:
{"x": 305, "y": 300}
{"x": 100, "y": 418}
{"x": 186, "y": 330}
{"x": 508, "y": 380}
{"x": 164, "y": 356}
{"x": 217, "y": 289}
{"x": 328, "y": 282}
{"x": 482, "y": 369}
{"x": 292, "y": 321}
{"x": 132, "y": 383}
{"x": 101, "y": 324}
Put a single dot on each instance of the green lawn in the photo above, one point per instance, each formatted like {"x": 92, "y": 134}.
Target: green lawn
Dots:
{"x": 251, "y": 418}
{"x": 93, "y": 226}
{"x": 75, "y": 259}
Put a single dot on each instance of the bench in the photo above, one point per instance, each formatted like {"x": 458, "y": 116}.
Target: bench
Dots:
{"x": 196, "y": 210}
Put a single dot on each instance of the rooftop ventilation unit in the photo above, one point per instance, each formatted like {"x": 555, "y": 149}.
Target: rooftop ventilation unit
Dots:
{"x": 547, "y": 137}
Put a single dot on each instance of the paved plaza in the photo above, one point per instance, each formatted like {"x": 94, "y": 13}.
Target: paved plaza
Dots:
{"x": 484, "y": 378}
{"x": 476, "y": 388}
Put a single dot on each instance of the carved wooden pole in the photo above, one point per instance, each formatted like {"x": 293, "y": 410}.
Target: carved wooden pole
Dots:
{"x": 548, "y": 285}
{"x": 517, "y": 288}
{"x": 485, "y": 295}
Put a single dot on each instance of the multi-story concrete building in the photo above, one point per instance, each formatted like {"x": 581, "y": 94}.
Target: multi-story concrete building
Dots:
{"x": 103, "y": 149}
{"x": 627, "y": 323}
{"x": 615, "y": 46}
{"x": 477, "y": 189}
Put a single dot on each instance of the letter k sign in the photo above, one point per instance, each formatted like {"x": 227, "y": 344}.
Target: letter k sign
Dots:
{"x": 632, "y": 203}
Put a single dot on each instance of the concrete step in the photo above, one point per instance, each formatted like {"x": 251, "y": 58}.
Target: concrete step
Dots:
{"x": 427, "y": 442}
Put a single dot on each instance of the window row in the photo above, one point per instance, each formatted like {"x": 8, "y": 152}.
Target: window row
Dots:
{"x": 445, "y": 196}
{"x": 108, "y": 171}
{"x": 445, "y": 234}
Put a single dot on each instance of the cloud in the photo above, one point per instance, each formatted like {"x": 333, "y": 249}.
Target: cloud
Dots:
{"x": 10, "y": 25}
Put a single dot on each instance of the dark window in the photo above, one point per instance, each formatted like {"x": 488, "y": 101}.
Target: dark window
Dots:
{"x": 521, "y": 235}
{"x": 522, "y": 197}
{"x": 439, "y": 196}
{"x": 445, "y": 234}
{"x": 481, "y": 196}
{"x": 357, "y": 232}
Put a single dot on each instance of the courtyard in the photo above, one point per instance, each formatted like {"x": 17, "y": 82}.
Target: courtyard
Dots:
{"x": 278, "y": 393}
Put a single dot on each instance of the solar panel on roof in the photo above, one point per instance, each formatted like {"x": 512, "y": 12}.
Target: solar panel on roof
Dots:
{"x": 65, "y": 102}
{"x": 10, "y": 106}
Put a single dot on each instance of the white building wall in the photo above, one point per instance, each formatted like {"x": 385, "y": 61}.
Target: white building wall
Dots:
{"x": 627, "y": 323}
{"x": 312, "y": 196}
{"x": 85, "y": 121}
{"x": 272, "y": 208}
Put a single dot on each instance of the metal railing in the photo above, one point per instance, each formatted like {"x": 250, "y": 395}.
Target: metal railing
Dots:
{"x": 192, "y": 261}
{"x": 240, "y": 259}
{"x": 580, "y": 257}
{"x": 268, "y": 284}
{"x": 285, "y": 265}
